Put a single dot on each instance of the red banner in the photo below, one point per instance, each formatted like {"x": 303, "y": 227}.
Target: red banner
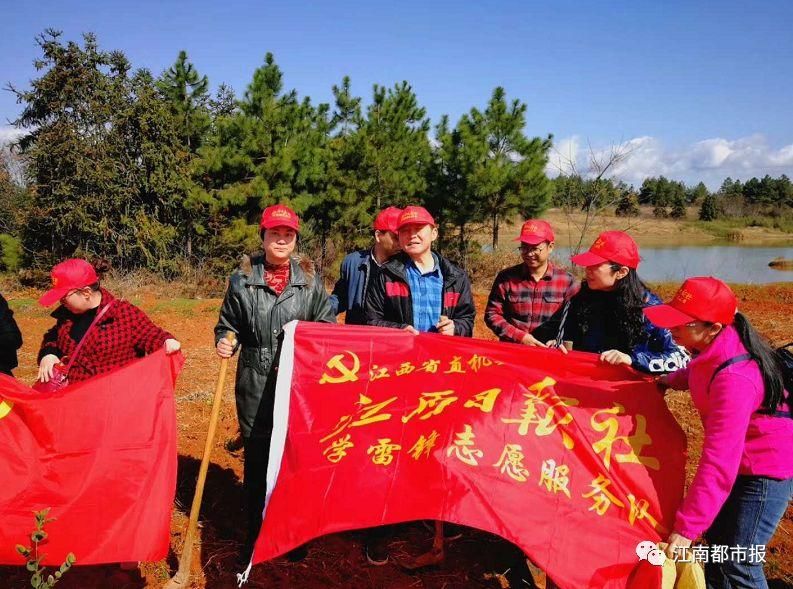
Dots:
{"x": 573, "y": 460}
{"x": 101, "y": 454}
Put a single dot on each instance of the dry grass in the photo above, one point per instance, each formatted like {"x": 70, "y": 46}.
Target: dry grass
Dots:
{"x": 648, "y": 230}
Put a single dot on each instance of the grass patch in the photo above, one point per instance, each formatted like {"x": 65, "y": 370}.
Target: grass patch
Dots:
{"x": 178, "y": 305}
{"x": 23, "y": 304}
{"x": 728, "y": 229}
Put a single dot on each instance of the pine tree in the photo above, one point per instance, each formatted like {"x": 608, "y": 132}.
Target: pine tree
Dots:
{"x": 346, "y": 118}
{"x": 343, "y": 211}
{"x": 731, "y": 188}
{"x": 449, "y": 197}
{"x": 784, "y": 191}
{"x": 223, "y": 103}
{"x": 697, "y": 194}
{"x": 188, "y": 94}
{"x": 250, "y": 161}
{"x": 663, "y": 193}
{"x": 678, "y": 206}
{"x": 709, "y": 210}
{"x": 628, "y": 205}
{"x": 648, "y": 191}
{"x": 661, "y": 197}
{"x": 505, "y": 169}
{"x": 568, "y": 191}
{"x": 104, "y": 155}
{"x": 395, "y": 147}
{"x": 15, "y": 200}
{"x": 15, "y": 208}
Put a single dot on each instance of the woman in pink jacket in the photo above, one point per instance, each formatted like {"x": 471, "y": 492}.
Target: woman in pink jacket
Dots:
{"x": 744, "y": 480}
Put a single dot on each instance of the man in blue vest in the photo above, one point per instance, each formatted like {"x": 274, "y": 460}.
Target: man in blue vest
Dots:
{"x": 359, "y": 269}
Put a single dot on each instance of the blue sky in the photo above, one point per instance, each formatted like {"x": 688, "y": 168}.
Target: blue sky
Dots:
{"x": 697, "y": 89}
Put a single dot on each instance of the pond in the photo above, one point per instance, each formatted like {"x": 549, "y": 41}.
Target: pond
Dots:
{"x": 736, "y": 264}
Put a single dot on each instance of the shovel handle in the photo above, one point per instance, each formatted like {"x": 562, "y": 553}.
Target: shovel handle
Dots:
{"x": 182, "y": 576}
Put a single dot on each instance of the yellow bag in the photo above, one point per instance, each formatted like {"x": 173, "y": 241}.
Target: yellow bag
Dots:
{"x": 682, "y": 575}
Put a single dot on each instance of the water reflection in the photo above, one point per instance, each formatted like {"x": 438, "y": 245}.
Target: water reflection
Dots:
{"x": 738, "y": 264}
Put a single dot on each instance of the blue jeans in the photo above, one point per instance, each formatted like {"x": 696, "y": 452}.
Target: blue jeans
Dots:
{"x": 748, "y": 518}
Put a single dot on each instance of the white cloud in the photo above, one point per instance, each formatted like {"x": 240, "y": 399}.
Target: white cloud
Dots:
{"x": 709, "y": 160}
{"x": 564, "y": 155}
{"x": 8, "y": 135}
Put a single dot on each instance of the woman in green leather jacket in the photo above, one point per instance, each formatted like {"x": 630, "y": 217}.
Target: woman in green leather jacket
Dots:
{"x": 268, "y": 291}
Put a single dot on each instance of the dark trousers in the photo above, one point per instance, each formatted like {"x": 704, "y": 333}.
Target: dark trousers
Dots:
{"x": 256, "y": 450}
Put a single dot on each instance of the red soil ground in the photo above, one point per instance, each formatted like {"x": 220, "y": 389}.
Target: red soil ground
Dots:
{"x": 335, "y": 560}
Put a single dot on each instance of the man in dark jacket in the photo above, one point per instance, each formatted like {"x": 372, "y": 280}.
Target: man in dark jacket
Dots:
{"x": 360, "y": 268}
{"x": 418, "y": 290}
{"x": 10, "y": 338}
{"x": 268, "y": 291}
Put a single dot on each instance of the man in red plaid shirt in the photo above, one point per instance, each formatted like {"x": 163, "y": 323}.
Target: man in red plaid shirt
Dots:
{"x": 526, "y": 295}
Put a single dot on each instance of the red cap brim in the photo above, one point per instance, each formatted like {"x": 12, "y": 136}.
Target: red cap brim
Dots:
{"x": 288, "y": 225}
{"x": 667, "y": 316}
{"x": 416, "y": 222}
{"x": 52, "y": 296}
{"x": 587, "y": 259}
{"x": 531, "y": 239}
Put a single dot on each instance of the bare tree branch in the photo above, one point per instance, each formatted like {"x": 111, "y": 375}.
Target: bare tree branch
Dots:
{"x": 596, "y": 195}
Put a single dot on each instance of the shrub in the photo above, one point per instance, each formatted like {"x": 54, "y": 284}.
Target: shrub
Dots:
{"x": 10, "y": 252}
{"x": 33, "y": 560}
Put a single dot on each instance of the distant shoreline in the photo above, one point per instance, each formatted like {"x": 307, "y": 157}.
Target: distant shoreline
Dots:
{"x": 649, "y": 231}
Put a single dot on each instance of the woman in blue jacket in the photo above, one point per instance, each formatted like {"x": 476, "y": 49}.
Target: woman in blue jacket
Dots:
{"x": 605, "y": 316}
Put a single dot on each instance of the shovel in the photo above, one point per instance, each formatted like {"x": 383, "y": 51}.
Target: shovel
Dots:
{"x": 182, "y": 576}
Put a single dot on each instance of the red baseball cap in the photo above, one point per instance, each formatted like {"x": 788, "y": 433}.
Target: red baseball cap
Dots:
{"x": 610, "y": 246}
{"x": 535, "y": 231}
{"x": 387, "y": 220}
{"x": 279, "y": 216}
{"x": 69, "y": 275}
{"x": 702, "y": 298}
{"x": 415, "y": 215}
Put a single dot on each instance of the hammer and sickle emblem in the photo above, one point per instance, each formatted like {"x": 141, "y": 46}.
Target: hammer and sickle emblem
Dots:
{"x": 344, "y": 373}
{"x": 5, "y": 408}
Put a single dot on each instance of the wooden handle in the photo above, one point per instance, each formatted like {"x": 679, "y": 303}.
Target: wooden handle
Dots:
{"x": 182, "y": 576}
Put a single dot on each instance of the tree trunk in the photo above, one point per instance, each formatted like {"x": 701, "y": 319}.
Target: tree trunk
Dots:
{"x": 323, "y": 249}
{"x": 495, "y": 231}
{"x": 463, "y": 248}
{"x": 189, "y": 246}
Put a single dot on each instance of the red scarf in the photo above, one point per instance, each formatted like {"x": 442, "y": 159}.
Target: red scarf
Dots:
{"x": 276, "y": 277}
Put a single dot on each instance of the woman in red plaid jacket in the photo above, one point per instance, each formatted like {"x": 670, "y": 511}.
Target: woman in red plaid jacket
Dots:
{"x": 122, "y": 333}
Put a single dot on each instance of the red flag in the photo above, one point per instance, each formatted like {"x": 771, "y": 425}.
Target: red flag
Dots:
{"x": 573, "y": 460}
{"x": 101, "y": 454}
